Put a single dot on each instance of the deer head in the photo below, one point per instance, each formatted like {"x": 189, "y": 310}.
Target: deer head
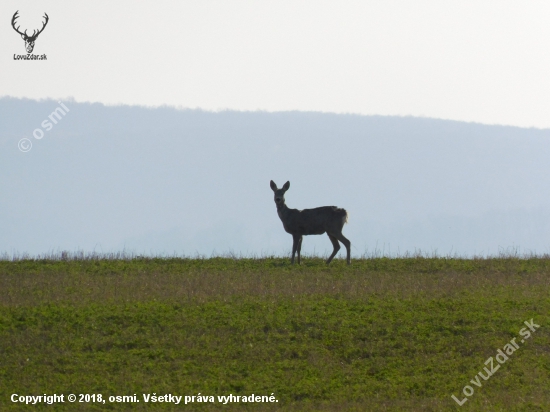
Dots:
{"x": 29, "y": 40}
{"x": 279, "y": 193}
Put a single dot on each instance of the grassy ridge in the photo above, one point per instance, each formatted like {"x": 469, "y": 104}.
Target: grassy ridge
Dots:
{"x": 383, "y": 334}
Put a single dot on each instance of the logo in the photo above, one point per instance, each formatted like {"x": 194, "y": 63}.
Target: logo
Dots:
{"x": 29, "y": 40}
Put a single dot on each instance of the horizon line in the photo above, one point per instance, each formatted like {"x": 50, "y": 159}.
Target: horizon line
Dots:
{"x": 263, "y": 111}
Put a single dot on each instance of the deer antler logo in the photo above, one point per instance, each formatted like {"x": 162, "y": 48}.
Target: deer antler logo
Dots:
{"x": 29, "y": 40}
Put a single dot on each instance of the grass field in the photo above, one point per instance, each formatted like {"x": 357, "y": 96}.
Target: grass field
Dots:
{"x": 380, "y": 335}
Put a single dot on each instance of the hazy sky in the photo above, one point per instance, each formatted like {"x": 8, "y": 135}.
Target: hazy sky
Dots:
{"x": 482, "y": 61}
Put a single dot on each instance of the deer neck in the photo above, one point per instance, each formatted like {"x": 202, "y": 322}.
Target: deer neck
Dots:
{"x": 283, "y": 211}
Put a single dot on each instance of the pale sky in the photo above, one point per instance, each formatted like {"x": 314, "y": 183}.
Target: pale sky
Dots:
{"x": 481, "y": 61}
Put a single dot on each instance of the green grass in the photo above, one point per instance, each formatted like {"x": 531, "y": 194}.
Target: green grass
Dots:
{"x": 381, "y": 335}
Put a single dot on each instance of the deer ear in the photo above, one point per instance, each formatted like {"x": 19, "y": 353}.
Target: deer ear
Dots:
{"x": 23, "y": 36}
{"x": 273, "y": 185}
{"x": 286, "y": 186}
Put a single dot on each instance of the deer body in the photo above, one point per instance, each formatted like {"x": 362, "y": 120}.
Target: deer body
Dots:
{"x": 308, "y": 221}
{"x": 326, "y": 219}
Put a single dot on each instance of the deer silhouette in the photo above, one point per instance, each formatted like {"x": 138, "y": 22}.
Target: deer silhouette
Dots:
{"x": 329, "y": 219}
{"x": 29, "y": 40}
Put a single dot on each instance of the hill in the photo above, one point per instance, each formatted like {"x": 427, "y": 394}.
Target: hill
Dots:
{"x": 163, "y": 181}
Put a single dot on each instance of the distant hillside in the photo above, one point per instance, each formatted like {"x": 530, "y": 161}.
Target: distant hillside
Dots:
{"x": 188, "y": 181}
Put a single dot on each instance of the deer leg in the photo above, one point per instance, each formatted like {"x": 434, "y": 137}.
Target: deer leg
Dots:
{"x": 336, "y": 247}
{"x": 299, "y": 248}
{"x": 347, "y": 244}
{"x": 294, "y": 248}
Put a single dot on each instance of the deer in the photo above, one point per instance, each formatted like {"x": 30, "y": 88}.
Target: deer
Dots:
{"x": 29, "y": 40}
{"x": 299, "y": 223}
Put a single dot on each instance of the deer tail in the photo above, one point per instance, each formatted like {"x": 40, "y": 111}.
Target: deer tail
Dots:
{"x": 342, "y": 212}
